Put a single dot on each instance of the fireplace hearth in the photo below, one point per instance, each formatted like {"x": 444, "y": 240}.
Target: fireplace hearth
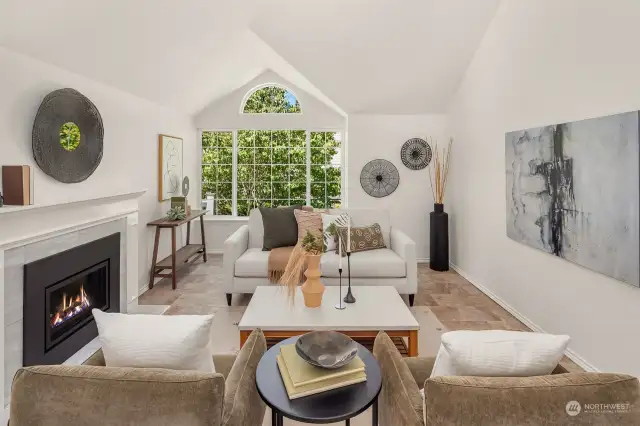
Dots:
{"x": 59, "y": 293}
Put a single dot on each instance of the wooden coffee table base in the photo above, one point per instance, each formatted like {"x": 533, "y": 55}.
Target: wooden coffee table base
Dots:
{"x": 365, "y": 338}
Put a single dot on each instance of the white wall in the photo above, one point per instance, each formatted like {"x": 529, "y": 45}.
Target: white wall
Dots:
{"x": 381, "y": 136}
{"x": 370, "y": 137}
{"x": 543, "y": 62}
{"x": 131, "y": 128}
{"x": 225, "y": 113}
{"x": 217, "y": 230}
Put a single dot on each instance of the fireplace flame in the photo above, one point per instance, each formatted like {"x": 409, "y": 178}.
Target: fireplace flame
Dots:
{"x": 70, "y": 307}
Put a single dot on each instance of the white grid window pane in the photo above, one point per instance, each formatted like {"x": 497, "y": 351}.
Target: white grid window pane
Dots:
{"x": 272, "y": 168}
{"x": 217, "y": 172}
{"x": 325, "y": 169}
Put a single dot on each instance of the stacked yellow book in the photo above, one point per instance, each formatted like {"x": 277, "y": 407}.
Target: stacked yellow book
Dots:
{"x": 303, "y": 379}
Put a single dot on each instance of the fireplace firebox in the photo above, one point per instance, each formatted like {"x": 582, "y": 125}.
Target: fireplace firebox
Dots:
{"x": 59, "y": 293}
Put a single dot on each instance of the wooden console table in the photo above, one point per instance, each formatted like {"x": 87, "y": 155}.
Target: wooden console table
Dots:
{"x": 184, "y": 256}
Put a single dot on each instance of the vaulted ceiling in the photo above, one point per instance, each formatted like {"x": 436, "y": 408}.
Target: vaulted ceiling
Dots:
{"x": 378, "y": 56}
{"x": 389, "y": 56}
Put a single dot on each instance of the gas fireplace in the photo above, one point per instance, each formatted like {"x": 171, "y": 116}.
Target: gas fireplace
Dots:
{"x": 59, "y": 293}
{"x": 71, "y": 307}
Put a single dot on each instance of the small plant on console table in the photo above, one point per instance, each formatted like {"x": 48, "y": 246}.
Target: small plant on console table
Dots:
{"x": 176, "y": 213}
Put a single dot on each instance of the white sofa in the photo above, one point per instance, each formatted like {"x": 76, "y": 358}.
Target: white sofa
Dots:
{"x": 245, "y": 264}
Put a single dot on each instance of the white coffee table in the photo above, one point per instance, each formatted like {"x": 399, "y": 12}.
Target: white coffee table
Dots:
{"x": 376, "y": 309}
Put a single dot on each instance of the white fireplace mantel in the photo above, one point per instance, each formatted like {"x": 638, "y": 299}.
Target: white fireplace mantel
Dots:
{"x": 20, "y": 225}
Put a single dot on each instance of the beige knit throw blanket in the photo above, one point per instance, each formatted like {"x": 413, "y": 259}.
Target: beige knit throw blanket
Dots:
{"x": 278, "y": 259}
{"x": 287, "y": 264}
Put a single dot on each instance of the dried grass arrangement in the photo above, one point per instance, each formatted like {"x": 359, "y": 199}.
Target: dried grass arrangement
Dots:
{"x": 313, "y": 243}
{"x": 294, "y": 272}
{"x": 439, "y": 170}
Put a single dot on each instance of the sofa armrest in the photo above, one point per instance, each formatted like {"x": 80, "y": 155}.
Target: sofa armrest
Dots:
{"x": 234, "y": 247}
{"x": 404, "y": 247}
{"x": 242, "y": 402}
{"x": 540, "y": 400}
{"x": 399, "y": 402}
{"x": 420, "y": 368}
{"x": 114, "y": 396}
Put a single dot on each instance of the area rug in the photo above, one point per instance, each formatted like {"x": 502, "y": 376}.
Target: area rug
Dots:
{"x": 200, "y": 291}
{"x": 225, "y": 338}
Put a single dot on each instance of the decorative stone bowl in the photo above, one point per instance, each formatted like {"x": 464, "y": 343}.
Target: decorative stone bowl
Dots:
{"x": 326, "y": 349}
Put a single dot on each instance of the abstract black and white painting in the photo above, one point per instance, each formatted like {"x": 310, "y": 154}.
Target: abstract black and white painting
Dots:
{"x": 573, "y": 191}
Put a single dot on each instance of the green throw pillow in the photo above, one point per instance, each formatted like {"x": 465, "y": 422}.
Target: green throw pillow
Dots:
{"x": 280, "y": 227}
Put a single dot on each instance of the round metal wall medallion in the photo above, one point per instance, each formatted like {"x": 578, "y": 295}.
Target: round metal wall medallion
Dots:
{"x": 57, "y": 148}
{"x": 185, "y": 186}
{"x": 379, "y": 178}
{"x": 416, "y": 154}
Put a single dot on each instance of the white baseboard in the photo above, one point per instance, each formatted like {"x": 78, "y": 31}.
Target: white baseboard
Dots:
{"x": 423, "y": 260}
{"x": 143, "y": 289}
{"x": 583, "y": 363}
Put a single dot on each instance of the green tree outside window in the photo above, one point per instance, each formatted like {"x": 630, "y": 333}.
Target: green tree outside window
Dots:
{"x": 272, "y": 167}
{"x": 272, "y": 99}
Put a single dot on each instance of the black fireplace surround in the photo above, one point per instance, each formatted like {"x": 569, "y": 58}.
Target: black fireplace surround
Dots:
{"x": 59, "y": 293}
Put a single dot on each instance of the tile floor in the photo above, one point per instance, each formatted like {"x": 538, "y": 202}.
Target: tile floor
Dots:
{"x": 456, "y": 303}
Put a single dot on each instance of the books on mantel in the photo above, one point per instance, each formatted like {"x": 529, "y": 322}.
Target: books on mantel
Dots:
{"x": 303, "y": 379}
{"x": 17, "y": 185}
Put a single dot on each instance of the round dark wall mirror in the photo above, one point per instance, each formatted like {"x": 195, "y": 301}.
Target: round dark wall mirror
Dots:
{"x": 67, "y": 136}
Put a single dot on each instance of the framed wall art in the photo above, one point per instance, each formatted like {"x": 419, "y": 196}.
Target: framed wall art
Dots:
{"x": 573, "y": 191}
{"x": 169, "y": 167}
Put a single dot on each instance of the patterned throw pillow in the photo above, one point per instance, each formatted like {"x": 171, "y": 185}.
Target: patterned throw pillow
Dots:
{"x": 332, "y": 237}
{"x": 362, "y": 238}
{"x": 308, "y": 221}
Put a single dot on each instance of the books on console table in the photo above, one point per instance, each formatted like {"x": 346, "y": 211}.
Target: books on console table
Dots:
{"x": 303, "y": 379}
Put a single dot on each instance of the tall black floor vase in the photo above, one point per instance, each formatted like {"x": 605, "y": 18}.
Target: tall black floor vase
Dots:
{"x": 439, "y": 235}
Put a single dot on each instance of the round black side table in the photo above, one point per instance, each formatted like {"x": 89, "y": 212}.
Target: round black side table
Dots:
{"x": 328, "y": 407}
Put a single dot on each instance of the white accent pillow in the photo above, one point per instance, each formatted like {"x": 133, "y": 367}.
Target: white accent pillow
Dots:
{"x": 177, "y": 342}
{"x": 498, "y": 353}
{"x": 327, "y": 220}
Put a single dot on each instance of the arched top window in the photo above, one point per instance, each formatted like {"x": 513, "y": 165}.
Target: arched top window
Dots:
{"x": 271, "y": 100}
